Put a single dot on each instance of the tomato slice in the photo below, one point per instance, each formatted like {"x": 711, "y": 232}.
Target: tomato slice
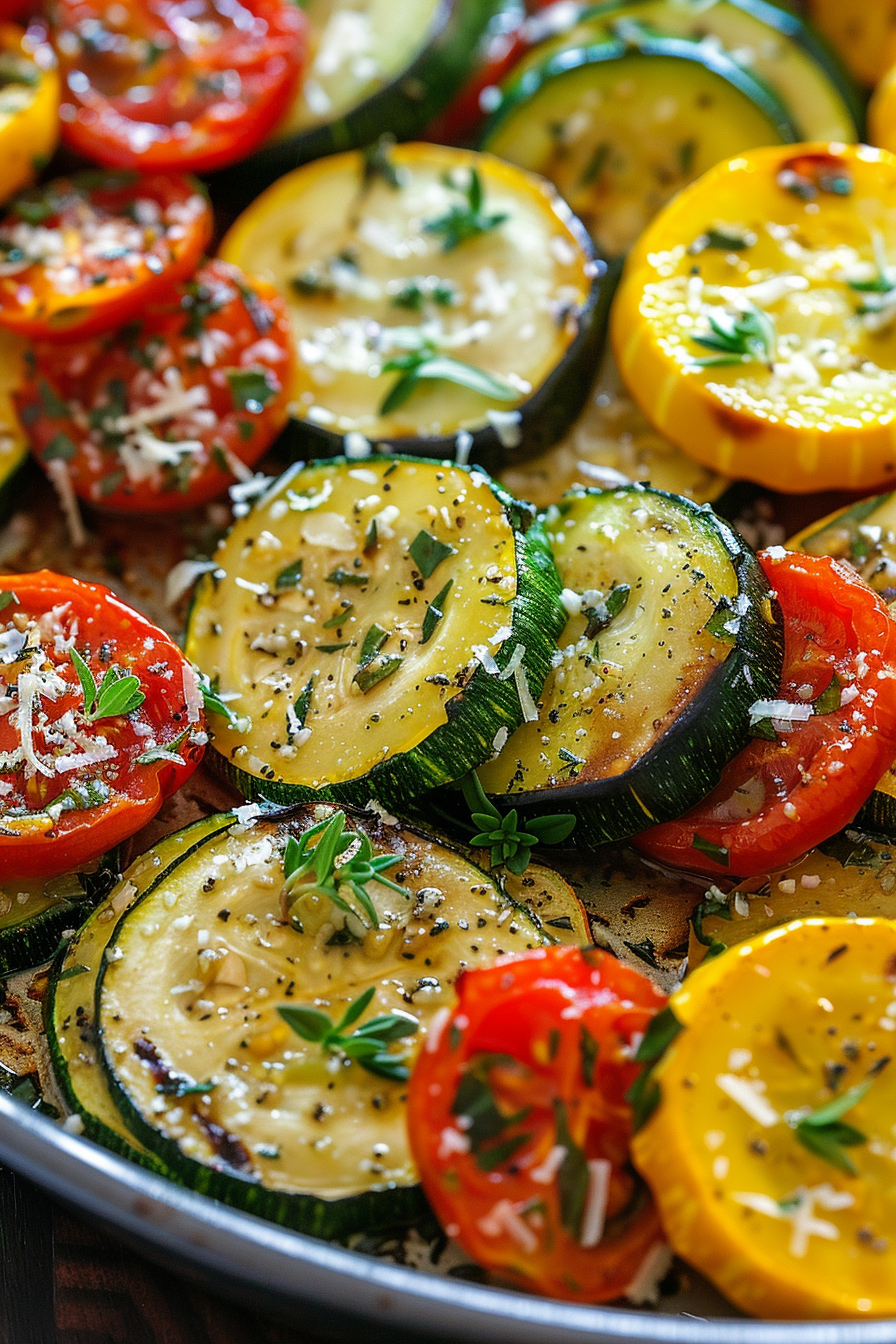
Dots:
{"x": 100, "y": 721}
{"x": 520, "y": 1127}
{"x": 81, "y": 255}
{"x": 806, "y": 777}
{"x": 174, "y": 85}
{"x": 166, "y": 412}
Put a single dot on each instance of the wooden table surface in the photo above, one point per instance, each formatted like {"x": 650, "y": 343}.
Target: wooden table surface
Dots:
{"x": 64, "y": 1282}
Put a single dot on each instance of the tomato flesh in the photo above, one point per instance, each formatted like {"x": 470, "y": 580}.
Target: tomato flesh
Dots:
{"x": 779, "y": 798}
{"x": 79, "y": 773}
{"x": 80, "y": 255}
{"x": 176, "y": 85}
{"x": 165, "y": 413}
{"x": 520, "y": 1127}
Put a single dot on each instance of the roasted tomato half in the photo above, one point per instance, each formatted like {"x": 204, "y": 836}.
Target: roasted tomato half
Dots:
{"x": 175, "y": 86}
{"x": 820, "y": 748}
{"x": 166, "y": 412}
{"x": 101, "y": 719}
{"x": 520, "y": 1126}
{"x": 83, "y": 254}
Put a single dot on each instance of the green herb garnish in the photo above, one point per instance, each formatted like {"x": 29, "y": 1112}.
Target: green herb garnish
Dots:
{"x": 510, "y": 845}
{"x": 825, "y": 1134}
{"x": 250, "y": 389}
{"x": 739, "y": 338}
{"x": 434, "y": 613}
{"x": 214, "y": 704}
{"x": 427, "y": 553}
{"x": 368, "y": 1045}
{"x": 465, "y": 221}
{"x": 428, "y": 365}
{"x": 118, "y": 693}
{"x": 318, "y": 869}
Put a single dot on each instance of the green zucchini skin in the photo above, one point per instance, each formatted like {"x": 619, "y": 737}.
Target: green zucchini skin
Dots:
{"x": 788, "y": 26}
{"x": 144, "y": 881}
{"x": 374, "y": 1208}
{"x": 401, "y": 109}
{"x": 509, "y": 130}
{"x": 687, "y": 760}
{"x": 474, "y": 716}
{"x": 36, "y": 939}
{"x": 544, "y": 418}
{"x": 613, "y": 49}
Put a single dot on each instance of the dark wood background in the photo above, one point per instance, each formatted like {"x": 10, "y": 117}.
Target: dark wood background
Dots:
{"x": 64, "y": 1282}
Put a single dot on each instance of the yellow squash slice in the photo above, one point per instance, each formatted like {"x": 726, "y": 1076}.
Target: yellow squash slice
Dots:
{"x": 755, "y": 320}
{"x": 770, "y": 1153}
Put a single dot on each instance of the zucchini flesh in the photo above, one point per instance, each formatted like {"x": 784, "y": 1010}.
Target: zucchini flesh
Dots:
{"x": 619, "y": 129}
{"x": 34, "y": 913}
{"x": 372, "y": 273}
{"x": 345, "y": 619}
{"x": 69, "y": 1018}
{"x": 775, "y": 46}
{"x": 355, "y": 49}
{"x": 189, "y": 991}
{"x": 671, "y": 638}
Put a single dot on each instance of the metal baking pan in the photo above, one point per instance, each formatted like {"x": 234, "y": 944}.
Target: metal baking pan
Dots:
{"x": 278, "y": 1272}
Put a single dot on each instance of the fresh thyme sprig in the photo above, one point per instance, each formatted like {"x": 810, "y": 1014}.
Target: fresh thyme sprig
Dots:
{"x": 368, "y": 1045}
{"x": 510, "y": 845}
{"x": 318, "y": 869}
{"x": 739, "y": 338}
{"x": 215, "y": 704}
{"x": 824, "y": 1132}
{"x": 118, "y": 692}
{"x": 466, "y": 221}
{"x": 427, "y": 365}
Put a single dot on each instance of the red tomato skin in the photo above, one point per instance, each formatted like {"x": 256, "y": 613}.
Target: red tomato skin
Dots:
{"x": 820, "y": 774}
{"x": 105, "y": 625}
{"x": 533, "y": 1010}
{"x": 31, "y": 306}
{"x": 80, "y": 374}
{"x": 100, "y": 122}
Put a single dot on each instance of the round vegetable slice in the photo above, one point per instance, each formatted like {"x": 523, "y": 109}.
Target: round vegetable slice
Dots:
{"x": 670, "y": 633}
{"x": 151, "y": 86}
{"x": 166, "y": 412}
{"x": 70, "y": 1014}
{"x": 618, "y": 159}
{"x": 754, "y": 321}
{"x": 83, "y": 254}
{"x": 374, "y": 68}
{"x": 29, "y": 111}
{"x": 769, "y": 1151}
{"x": 822, "y": 743}
{"x": 442, "y": 302}
{"x": 402, "y": 612}
{"x": 774, "y": 45}
{"x": 519, "y": 1123}
{"x": 35, "y": 912}
{"x": 100, "y": 720}
{"x": 320, "y": 970}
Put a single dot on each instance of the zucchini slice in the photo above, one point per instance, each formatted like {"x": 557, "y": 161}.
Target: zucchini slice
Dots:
{"x": 34, "y": 913}
{"x": 358, "y": 624}
{"x": 375, "y": 68}
{"x": 620, "y": 126}
{"x": 209, "y": 1075}
{"x": 442, "y": 302}
{"x": 69, "y": 1013}
{"x": 671, "y": 637}
{"x": 770, "y": 43}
